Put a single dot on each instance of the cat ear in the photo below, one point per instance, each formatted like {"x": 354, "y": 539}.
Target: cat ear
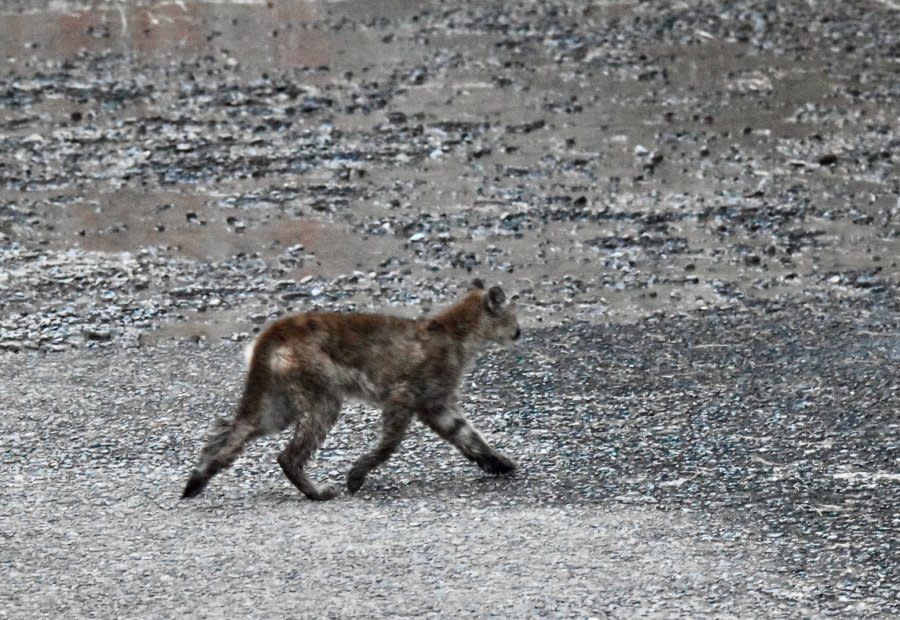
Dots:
{"x": 494, "y": 300}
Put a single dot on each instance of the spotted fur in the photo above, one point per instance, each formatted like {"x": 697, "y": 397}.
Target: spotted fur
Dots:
{"x": 303, "y": 367}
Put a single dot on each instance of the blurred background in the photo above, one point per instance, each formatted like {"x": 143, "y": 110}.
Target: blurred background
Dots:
{"x": 607, "y": 160}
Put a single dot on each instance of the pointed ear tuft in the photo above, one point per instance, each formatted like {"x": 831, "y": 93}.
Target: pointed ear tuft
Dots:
{"x": 477, "y": 283}
{"x": 494, "y": 299}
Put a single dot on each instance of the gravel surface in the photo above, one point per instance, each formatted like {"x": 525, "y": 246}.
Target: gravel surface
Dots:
{"x": 738, "y": 465}
{"x": 696, "y": 202}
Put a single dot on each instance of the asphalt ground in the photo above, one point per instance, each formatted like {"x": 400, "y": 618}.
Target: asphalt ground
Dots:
{"x": 696, "y": 204}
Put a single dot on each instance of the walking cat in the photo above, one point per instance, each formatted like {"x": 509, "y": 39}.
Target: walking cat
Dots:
{"x": 303, "y": 367}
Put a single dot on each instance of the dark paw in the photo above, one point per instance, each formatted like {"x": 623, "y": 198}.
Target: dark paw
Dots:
{"x": 194, "y": 485}
{"x": 324, "y": 493}
{"x": 355, "y": 481}
{"x": 496, "y": 464}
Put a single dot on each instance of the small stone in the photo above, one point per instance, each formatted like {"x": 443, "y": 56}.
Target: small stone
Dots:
{"x": 97, "y": 334}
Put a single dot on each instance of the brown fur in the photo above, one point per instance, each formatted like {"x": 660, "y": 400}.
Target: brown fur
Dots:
{"x": 303, "y": 367}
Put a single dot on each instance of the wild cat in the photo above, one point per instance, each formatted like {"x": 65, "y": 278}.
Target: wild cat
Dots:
{"x": 303, "y": 367}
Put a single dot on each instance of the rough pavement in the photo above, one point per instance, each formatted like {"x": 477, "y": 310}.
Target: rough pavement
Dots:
{"x": 696, "y": 203}
{"x": 703, "y": 465}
